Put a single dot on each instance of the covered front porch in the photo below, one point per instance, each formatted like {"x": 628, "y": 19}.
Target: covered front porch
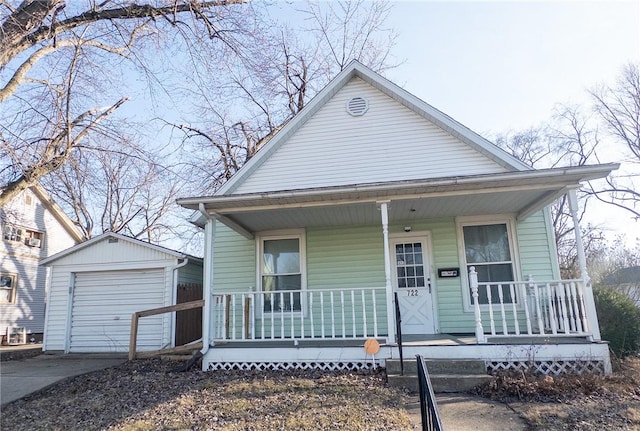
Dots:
{"x": 526, "y": 312}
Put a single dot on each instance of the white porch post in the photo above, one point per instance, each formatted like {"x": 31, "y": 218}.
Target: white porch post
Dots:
{"x": 592, "y": 315}
{"x": 207, "y": 309}
{"x": 384, "y": 210}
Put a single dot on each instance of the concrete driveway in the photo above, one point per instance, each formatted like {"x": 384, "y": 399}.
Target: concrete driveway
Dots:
{"x": 23, "y": 377}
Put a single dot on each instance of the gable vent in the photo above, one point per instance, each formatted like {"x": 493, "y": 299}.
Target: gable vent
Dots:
{"x": 357, "y": 106}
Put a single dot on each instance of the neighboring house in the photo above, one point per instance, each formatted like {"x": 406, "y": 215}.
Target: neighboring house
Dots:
{"x": 370, "y": 198}
{"x": 33, "y": 227}
{"x": 625, "y": 281}
{"x": 96, "y": 286}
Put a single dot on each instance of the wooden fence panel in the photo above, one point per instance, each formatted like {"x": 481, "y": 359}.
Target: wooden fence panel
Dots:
{"x": 188, "y": 322}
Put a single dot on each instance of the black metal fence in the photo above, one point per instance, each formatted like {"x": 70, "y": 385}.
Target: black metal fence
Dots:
{"x": 428, "y": 407}
{"x": 399, "y": 332}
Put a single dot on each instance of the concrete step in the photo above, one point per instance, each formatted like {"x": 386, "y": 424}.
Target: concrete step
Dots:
{"x": 451, "y": 375}
{"x": 441, "y": 383}
{"x": 438, "y": 366}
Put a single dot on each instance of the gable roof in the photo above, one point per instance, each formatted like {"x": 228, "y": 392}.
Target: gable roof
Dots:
{"x": 57, "y": 212}
{"x": 423, "y": 109}
{"x": 106, "y": 235}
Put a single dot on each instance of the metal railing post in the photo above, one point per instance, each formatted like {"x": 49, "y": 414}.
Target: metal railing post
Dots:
{"x": 428, "y": 407}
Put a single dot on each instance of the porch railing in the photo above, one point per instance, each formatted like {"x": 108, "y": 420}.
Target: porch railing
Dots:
{"x": 357, "y": 313}
{"x": 529, "y": 308}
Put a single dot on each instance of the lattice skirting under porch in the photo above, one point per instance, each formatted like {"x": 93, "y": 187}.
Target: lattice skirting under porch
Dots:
{"x": 273, "y": 366}
{"x": 549, "y": 367}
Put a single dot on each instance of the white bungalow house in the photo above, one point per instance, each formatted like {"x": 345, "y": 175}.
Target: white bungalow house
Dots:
{"x": 370, "y": 199}
{"x": 33, "y": 228}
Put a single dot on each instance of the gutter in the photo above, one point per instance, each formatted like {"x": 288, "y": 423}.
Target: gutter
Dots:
{"x": 206, "y": 294}
{"x": 377, "y": 191}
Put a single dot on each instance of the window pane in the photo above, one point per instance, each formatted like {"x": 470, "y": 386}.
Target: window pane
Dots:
{"x": 281, "y": 299}
{"x": 6, "y": 281}
{"x": 495, "y": 272}
{"x": 7, "y": 286}
{"x": 486, "y": 243}
{"x": 5, "y": 296}
{"x": 272, "y": 283}
{"x": 281, "y": 256}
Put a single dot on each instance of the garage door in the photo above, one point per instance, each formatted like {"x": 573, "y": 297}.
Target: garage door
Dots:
{"x": 103, "y": 303}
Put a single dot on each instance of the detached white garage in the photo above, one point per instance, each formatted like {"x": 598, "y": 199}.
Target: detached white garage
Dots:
{"x": 96, "y": 286}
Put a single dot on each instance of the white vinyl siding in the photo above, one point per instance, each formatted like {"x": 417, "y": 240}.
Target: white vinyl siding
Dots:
{"x": 28, "y": 309}
{"x": 57, "y": 309}
{"x": 388, "y": 143}
{"x": 103, "y": 303}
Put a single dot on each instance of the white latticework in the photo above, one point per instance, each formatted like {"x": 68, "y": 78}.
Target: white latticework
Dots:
{"x": 261, "y": 366}
{"x": 549, "y": 367}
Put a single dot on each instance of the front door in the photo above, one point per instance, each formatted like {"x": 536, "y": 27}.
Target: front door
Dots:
{"x": 413, "y": 283}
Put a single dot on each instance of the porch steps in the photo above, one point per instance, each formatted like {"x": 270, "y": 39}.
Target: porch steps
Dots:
{"x": 446, "y": 375}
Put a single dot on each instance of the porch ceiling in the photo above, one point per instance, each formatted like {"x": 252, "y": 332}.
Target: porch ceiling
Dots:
{"x": 519, "y": 193}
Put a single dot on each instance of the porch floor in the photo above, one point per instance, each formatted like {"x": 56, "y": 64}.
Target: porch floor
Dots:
{"x": 407, "y": 341}
{"x": 469, "y": 339}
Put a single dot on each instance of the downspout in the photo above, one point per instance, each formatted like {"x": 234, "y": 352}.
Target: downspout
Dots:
{"x": 208, "y": 277}
{"x": 174, "y": 298}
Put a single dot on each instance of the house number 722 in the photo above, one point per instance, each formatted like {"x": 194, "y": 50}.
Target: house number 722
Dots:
{"x": 412, "y": 292}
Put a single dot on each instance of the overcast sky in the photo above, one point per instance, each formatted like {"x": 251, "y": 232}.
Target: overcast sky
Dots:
{"x": 497, "y": 66}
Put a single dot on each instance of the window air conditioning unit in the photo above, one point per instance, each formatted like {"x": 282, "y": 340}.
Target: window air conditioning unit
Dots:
{"x": 34, "y": 242}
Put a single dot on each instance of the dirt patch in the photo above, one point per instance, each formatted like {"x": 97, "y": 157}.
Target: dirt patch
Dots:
{"x": 144, "y": 395}
{"x": 585, "y": 402}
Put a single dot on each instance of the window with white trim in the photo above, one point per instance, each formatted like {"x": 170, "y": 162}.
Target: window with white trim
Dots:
{"x": 12, "y": 233}
{"x": 28, "y": 237}
{"x": 7, "y": 288}
{"x": 488, "y": 248}
{"x": 281, "y": 273}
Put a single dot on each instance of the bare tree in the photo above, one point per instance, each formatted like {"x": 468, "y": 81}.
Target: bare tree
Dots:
{"x": 566, "y": 140}
{"x": 231, "y": 75}
{"x": 51, "y": 55}
{"x": 117, "y": 191}
{"x": 276, "y": 78}
{"x": 619, "y": 109}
